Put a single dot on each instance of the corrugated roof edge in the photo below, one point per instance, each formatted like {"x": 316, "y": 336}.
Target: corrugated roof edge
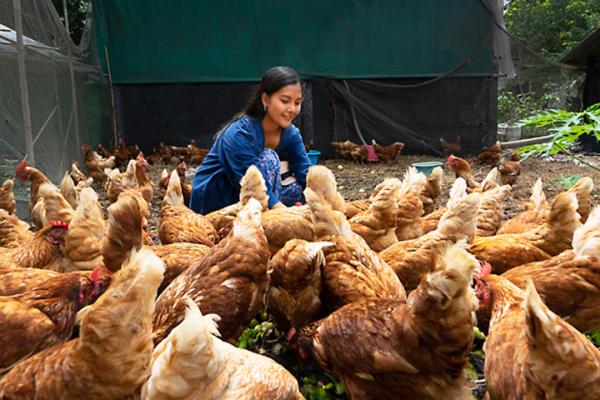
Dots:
{"x": 579, "y": 55}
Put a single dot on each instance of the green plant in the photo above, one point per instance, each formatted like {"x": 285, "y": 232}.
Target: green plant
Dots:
{"x": 321, "y": 387}
{"x": 259, "y": 328}
{"x": 594, "y": 338}
{"x": 567, "y": 182}
{"x": 477, "y": 334}
{"x": 566, "y": 128}
{"x": 513, "y": 107}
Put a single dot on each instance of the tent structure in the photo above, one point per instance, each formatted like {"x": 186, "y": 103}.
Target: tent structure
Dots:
{"x": 403, "y": 70}
{"x": 586, "y": 55}
{"x": 53, "y": 98}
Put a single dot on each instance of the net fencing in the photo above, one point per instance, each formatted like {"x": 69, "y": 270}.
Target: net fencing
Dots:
{"x": 67, "y": 96}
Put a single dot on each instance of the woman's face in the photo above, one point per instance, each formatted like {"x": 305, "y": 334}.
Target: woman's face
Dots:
{"x": 283, "y": 105}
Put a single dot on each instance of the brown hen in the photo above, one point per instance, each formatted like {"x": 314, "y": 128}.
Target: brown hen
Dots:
{"x": 193, "y": 363}
{"x": 395, "y": 349}
{"x": 252, "y": 186}
{"x": 506, "y": 251}
{"x": 491, "y": 210}
{"x": 13, "y": 231}
{"x": 111, "y": 357}
{"x": 40, "y": 250}
{"x": 26, "y": 173}
{"x": 352, "y": 270}
{"x": 95, "y": 164}
{"x": 491, "y": 155}
{"x": 229, "y": 280}
{"x": 377, "y": 224}
{"x": 83, "y": 243}
{"x": 7, "y": 197}
{"x": 432, "y": 190}
{"x": 180, "y": 224}
{"x": 531, "y": 352}
{"x": 535, "y": 212}
{"x": 569, "y": 282}
{"x": 510, "y": 170}
{"x": 387, "y": 153}
{"x": 412, "y": 259}
{"x": 295, "y": 283}
{"x": 43, "y": 315}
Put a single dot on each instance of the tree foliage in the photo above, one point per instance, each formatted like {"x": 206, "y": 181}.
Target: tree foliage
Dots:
{"x": 77, "y": 11}
{"x": 552, "y": 27}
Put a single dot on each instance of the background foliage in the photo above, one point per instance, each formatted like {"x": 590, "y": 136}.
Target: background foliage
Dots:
{"x": 77, "y": 10}
{"x": 551, "y": 28}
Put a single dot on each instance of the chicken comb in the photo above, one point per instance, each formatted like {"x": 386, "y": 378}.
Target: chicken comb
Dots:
{"x": 60, "y": 224}
{"x": 451, "y": 158}
{"x": 486, "y": 269}
{"x": 21, "y": 166}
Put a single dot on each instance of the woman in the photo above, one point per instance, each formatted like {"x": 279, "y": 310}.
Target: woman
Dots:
{"x": 260, "y": 135}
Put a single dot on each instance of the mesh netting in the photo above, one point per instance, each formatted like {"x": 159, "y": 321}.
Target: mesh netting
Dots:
{"x": 69, "y": 99}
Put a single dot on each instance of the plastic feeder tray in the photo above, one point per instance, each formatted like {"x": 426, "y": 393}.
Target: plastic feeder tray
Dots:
{"x": 427, "y": 166}
{"x": 313, "y": 155}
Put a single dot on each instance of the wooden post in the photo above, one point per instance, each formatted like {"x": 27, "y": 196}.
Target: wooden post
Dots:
{"x": 112, "y": 97}
{"x": 23, "y": 83}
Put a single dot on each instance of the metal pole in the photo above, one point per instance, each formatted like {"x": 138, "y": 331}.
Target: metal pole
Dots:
{"x": 112, "y": 97}
{"x": 23, "y": 82}
{"x": 72, "y": 75}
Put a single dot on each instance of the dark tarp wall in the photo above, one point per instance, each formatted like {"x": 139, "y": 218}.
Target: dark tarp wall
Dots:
{"x": 157, "y": 41}
{"x": 391, "y": 110}
{"x": 176, "y": 113}
{"x": 182, "y": 69}
{"x": 465, "y": 107}
{"x": 591, "y": 89}
{"x": 591, "y": 95}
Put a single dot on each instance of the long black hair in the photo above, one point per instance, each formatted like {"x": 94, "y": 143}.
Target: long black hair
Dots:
{"x": 273, "y": 80}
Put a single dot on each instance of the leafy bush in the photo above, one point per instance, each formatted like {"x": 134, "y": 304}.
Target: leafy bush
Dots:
{"x": 567, "y": 182}
{"x": 513, "y": 107}
{"x": 566, "y": 128}
{"x": 264, "y": 337}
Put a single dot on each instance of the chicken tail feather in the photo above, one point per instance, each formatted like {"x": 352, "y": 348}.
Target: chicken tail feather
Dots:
{"x": 173, "y": 195}
{"x": 586, "y": 239}
{"x": 253, "y": 186}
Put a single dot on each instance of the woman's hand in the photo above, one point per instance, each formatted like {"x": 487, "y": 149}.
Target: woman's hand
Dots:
{"x": 278, "y": 205}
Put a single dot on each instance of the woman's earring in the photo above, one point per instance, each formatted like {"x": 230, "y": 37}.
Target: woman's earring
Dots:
{"x": 264, "y": 107}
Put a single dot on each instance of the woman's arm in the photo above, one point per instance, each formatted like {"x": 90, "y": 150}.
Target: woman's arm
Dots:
{"x": 240, "y": 151}
{"x": 297, "y": 157}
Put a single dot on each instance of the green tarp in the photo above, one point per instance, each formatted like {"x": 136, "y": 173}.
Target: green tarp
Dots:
{"x": 158, "y": 41}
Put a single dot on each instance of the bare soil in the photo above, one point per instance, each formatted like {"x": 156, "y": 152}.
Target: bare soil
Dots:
{"x": 356, "y": 181}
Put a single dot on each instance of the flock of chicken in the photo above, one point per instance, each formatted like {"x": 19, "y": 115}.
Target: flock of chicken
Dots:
{"x": 383, "y": 292}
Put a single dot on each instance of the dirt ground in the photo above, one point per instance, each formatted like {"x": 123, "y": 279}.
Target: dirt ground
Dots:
{"x": 356, "y": 181}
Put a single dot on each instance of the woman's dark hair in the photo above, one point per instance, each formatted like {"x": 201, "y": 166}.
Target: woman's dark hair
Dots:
{"x": 273, "y": 80}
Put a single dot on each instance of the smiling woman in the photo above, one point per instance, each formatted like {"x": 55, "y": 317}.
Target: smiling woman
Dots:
{"x": 262, "y": 135}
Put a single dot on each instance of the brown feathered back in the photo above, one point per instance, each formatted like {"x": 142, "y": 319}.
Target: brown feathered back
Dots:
{"x": 583, "y": 189}
{"x": 123, "y": 232}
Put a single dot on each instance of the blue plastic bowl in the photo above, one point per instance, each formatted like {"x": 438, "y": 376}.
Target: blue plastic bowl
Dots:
{"x": 313, "y": 155}
{"x": 427, "y": 166}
